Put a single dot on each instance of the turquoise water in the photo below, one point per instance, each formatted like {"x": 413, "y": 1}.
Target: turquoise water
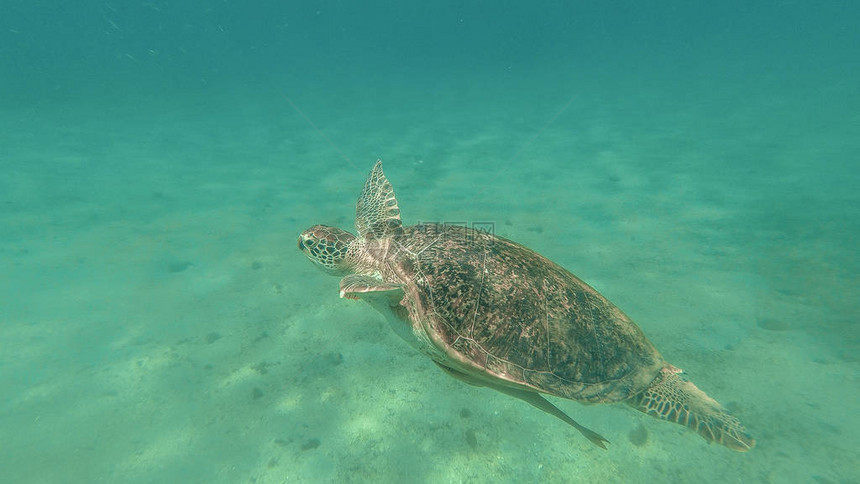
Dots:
{"x": 696, "y": 163}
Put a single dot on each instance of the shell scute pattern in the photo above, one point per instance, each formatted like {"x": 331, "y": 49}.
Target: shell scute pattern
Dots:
{"x": 521, "y": 317}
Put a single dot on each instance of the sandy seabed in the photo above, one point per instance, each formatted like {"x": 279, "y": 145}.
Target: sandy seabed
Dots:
{"x": 158, "y": 323}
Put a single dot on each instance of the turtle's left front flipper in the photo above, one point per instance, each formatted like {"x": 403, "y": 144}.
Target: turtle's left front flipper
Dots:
{"x": 384, "y": 297}
{"x": 359, "y": 286}
{"x": 536, "y": 400}
{"x": 533, "y": 398}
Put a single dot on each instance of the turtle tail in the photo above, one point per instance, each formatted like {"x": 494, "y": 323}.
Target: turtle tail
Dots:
{"x": 669, "y": 397}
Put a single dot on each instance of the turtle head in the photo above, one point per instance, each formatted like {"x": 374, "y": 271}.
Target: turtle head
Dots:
{"x": 327, "y": 247}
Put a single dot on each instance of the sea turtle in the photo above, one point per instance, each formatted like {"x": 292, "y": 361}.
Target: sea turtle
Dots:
{"x": 493, "y": 313}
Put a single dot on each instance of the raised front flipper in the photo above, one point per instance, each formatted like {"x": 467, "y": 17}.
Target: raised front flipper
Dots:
{"x": 376, "y": 212}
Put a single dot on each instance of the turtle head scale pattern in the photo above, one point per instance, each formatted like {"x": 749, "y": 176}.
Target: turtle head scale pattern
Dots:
{"x": 376, "y": 212}
{"x": 328, "y": 248}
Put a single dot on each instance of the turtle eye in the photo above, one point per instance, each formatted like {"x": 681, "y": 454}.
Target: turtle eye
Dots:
{"x": 309, "y": 242}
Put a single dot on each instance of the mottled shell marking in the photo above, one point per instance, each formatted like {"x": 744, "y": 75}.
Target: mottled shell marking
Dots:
{"x": 515, "y": 314}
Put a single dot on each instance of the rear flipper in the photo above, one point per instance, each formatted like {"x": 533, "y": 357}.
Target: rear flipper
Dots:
{"x": 671, "y": 398}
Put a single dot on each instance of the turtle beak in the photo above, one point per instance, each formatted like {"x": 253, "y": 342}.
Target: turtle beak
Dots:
{"x": 301, "y": 245}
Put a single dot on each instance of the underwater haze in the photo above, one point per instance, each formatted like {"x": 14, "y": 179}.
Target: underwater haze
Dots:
{"x": 694, "y": 161}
